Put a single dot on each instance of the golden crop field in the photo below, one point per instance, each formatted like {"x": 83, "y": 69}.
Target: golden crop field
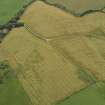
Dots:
{"x": 46, "y": 75}
{"x": 56, "y": 22}
{"x": 83, "y": 52}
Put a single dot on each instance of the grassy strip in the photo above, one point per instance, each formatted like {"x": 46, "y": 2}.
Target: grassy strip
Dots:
{"x": 11, "y": 91}
{"x": 92, "y": 95}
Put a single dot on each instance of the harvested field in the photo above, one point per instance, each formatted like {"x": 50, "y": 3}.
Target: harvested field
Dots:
{"x": 56, "y": 22}
{"x": 46, "y": 75}
{"x": 82, "y": 52}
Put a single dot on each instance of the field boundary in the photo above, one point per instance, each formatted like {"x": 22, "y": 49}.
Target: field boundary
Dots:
{"x": 13, "y": 22}
{"x": 60, "y": 101}
{"x": 71, "y": 12}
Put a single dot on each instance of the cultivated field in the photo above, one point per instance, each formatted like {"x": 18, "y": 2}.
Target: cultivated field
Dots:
{"x": 70, "y": 32}
{"x": 9, "y": 8}
{"x": 56, "y": 22}
{"x": 46, "y": 75}
{"x": 83, "y": 52}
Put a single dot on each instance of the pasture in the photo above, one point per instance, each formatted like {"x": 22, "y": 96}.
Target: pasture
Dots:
{"x": 9, "y": 8}
{"x": 78, "y": 7}
{"x": 11, "y": 91}
{"x": 93, "y": 95}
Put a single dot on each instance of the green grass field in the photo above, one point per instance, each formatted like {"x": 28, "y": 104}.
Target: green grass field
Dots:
{"x": 93, "y": 95}
{"x": 8, "y": 8}
{"x": 78, "y": 7}
{"x": 11, "y": 91}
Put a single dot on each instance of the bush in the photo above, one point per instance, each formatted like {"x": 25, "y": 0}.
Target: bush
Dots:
{"x": 4, "y": 69}
{"x": 83, "y": 75}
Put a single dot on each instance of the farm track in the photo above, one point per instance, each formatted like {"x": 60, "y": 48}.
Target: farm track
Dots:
{"x": 36, "y": 34}
{"x": 59, "y": 37}
{"x": 47, "y": 39}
